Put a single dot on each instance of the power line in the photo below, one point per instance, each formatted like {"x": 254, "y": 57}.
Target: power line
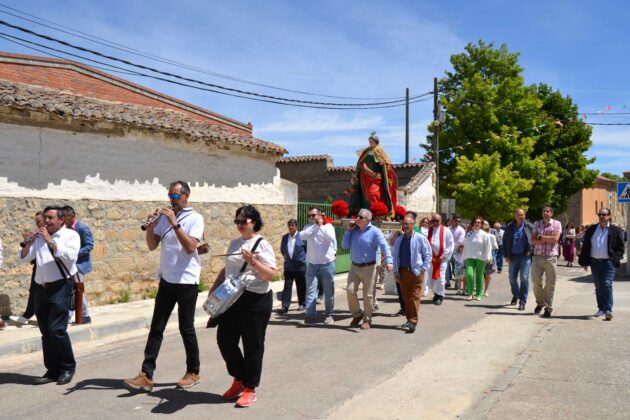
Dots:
{"x": 121, "y": 47}
{"x": 239, "y": 91}
{"x": 118, "y": 69}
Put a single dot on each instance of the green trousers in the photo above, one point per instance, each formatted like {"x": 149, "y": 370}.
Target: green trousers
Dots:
{"x": 474, "y": 273}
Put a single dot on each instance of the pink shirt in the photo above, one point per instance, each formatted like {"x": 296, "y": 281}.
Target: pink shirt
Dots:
{"x": 553, "y": 228}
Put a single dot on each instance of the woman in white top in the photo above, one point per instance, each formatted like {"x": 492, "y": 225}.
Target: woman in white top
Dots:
{"x": 248, "y": 317}
{"x": 494, "y": 246}
{"x": 477, "y": 253}
{"x": 424, "y": 226}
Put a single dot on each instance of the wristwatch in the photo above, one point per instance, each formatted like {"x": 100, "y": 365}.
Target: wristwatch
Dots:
{"x": 177, "y": 226}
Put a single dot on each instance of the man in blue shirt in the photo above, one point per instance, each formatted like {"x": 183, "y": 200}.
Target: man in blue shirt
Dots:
{"x": 363, "y": 239}
{"x": 412, "y": 259}
{"x": 517, "y": 242}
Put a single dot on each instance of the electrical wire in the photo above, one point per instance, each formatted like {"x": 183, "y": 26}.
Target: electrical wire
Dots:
{"x": 125, "y": 71}
{"x": 121, "y": 47}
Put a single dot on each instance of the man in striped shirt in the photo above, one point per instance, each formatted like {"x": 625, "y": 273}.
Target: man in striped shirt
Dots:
{"x": 545, "y": 237}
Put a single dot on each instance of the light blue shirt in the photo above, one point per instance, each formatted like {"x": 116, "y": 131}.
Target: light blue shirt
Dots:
{"x": 420, "y": 253}
{"x": 364, "y": 243}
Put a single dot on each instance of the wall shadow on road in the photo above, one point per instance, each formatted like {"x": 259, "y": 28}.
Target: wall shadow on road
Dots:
{"x": 98, "y": 384}
{"x": 173, "y": 400}
{"x": 16, "y": 378}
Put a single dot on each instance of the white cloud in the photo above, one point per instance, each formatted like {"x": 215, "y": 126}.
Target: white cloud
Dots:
{"x": 313, "y": 121}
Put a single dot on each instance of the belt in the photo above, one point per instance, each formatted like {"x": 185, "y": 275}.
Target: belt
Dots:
{"x": 367, "y": 264}
{"x": 52, "y": 283}
{"x": 404, "y": 268}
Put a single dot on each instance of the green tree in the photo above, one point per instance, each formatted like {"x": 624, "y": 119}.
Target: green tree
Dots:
{"x": 482, "y": 180}
{"x": 616, "y": 177}
{"x": 491, "y": 111}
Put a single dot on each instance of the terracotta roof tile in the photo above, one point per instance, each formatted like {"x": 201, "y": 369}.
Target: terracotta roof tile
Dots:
{"x": 305, "y": 158}
{"x": 21, "y": 96}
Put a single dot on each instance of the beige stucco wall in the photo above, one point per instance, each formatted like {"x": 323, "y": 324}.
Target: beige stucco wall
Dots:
{"x": 422, "y": 200}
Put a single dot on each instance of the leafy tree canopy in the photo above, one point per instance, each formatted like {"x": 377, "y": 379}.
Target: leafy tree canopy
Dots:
{"x": 532, "y": 133}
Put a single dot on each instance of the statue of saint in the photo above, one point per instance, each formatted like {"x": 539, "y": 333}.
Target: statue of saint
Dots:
{"x": 374, "y": 179}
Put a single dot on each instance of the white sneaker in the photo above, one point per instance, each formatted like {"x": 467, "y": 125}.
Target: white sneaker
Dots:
{"x": 599, "y": 313}
{"x": 24, "y": 321}
{"x": 329, "y": 320}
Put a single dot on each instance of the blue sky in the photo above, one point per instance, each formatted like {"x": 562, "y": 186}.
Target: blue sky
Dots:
{"x": 360, "y": 49}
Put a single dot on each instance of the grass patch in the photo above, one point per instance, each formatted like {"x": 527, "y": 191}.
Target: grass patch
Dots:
{"x": 124, "y": 297}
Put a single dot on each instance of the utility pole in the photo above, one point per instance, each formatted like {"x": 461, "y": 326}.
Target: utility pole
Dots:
{"x": 407, "y": 127}
{"x": 436, "y": 147}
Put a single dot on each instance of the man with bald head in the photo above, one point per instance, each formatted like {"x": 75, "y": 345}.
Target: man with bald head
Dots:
{"x": 442, "y": 246}
{"x": 517, "y": 250}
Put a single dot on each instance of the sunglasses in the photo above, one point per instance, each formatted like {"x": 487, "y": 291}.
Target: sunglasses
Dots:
{"x": 603, "y": 214}
{"x": 434, "y": 221}
{"x": 241, "y": 222}
{"x": 361, "y": 217}
{"x": 312, "y": 215}
{"x": 174, "y": 196}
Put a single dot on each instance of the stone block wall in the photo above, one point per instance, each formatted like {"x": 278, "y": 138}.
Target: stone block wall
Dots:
{"x": 121, "y": 261}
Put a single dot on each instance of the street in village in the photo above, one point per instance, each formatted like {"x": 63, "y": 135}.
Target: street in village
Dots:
{"x": 467, "y": 360}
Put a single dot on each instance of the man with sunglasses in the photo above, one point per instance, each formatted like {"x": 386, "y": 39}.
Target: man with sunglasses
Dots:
{"x": 602, "y": 250}
{"x": 442, "y": 247}
{"x": 363, "y": 239}
{"x": 321, "y": 252}
{"x": 179, "y": 229}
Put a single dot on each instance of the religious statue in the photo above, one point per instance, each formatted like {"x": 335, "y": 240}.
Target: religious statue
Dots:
{"x": 374, "y": 180}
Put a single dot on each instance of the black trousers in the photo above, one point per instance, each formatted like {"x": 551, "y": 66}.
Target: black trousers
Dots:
{"x": 245, "y": 320}
{"x": 168, "y": 294}
{"x": 30, "y": 305}
{"x": 300, "y": 283}
{"x": 51, "y": 308}
{"x": 401, "y": 298}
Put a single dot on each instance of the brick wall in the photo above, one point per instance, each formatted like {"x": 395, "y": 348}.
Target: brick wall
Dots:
{"x": 93, "y": 86}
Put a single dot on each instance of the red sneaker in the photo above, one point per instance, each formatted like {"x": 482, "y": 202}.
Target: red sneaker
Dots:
{"x": 248, "y": 398}
{"x": 234, "y": 391}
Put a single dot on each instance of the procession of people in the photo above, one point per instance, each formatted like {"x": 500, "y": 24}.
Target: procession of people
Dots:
{"x": 422, "y": 257}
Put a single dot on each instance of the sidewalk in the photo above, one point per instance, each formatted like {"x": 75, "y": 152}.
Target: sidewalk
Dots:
{"x": 110, "y": 321}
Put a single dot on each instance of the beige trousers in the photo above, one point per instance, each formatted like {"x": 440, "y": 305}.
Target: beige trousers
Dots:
{"x": 365, "y": 277}
{"x": 547, "y": 266}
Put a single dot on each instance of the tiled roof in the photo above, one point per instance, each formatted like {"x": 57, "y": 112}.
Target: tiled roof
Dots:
{"x": 306, "y": 158}
{"x": 70, "y": 106}
{"x": 395, "y": 166}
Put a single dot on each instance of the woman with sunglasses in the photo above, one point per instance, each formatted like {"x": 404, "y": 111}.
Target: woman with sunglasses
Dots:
{"x": 248, "y": 317}
{"x": 477, "y": 253}
{"x": 424, "y": 226}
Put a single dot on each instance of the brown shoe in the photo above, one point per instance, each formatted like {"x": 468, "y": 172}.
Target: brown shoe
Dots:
{"x": 140, "y": 383}
{"x": 188, "y": 380}
{"x": 366, "y": 326}
{"x": 356, "y": 321}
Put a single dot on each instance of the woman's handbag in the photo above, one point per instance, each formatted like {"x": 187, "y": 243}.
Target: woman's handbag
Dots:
{"x": 228, "y": 292}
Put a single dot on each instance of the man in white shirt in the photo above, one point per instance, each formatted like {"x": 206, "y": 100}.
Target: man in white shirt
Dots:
{"x": 179, "y": 229}
{"x": 321, "y": 252}
{"x": 458, "y": 234}
{"x": 55, "y": 250}
{"x": 441, "y": 241}
{"x": 602, "y": 249}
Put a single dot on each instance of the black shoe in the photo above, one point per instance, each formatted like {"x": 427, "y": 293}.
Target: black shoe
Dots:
{"x": 65, "y": 377}
{"x": 448, "y": 286}
{"x": 435, "y": 297}
{"x": 514, "y": 300}
{"x": 439, "y": 301}
{"x": 45, "y": 379}
{"x": 282, "y": 311}
{"x": 547, "y": 313}
{"x": 538, "y": 308}
{"x": 411, "y": 328}
{"x": 86, "y": 320}
{"x": 521, "y": 306}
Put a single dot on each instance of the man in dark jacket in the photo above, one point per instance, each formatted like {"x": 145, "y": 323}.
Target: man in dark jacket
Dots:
{"x": 293, "y": 251}
{"x": 602, "y": 250}
{"x": 517, "y": 242}
{"x": 84, "y": 262}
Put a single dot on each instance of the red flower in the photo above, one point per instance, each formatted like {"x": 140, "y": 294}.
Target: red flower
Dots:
{"x": 339, "y": 208}
{"x": 328, "y": 220}
{"x": 379, "y": 209}
{"x": 400, "y": 211}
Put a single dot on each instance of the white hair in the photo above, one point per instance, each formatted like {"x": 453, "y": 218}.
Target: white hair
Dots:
{"x": 368, "y": 214}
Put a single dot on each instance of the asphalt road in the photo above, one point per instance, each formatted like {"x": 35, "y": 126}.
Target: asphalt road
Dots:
{"x": 309, "y": 372}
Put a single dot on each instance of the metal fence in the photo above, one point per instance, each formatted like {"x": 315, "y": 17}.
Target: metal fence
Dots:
{"x": 342, "y": 264}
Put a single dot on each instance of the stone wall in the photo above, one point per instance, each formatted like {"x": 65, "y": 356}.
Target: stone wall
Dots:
{"x": 121, "y": 261}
